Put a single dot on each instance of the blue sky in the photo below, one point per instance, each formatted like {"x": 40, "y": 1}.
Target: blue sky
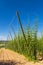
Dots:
{"x": 28, "y": 10}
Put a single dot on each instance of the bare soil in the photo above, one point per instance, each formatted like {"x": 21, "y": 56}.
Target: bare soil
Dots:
{"x": 8, "y": 57}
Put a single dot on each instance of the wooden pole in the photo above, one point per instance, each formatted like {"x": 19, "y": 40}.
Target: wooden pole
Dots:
{"x": 21, "y": 26}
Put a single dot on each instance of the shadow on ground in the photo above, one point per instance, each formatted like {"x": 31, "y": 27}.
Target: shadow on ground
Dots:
{"x": 7, "y": 63}
{"x": 10, "y": 63}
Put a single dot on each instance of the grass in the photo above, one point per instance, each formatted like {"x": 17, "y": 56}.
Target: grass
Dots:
{"x": 33, "y": 45}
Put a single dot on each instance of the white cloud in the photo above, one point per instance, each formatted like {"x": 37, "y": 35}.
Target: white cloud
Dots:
{"x": 3, "y": 38}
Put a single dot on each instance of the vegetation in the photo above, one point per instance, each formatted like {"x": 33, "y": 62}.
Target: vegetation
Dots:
{"x": 34, "y": 46}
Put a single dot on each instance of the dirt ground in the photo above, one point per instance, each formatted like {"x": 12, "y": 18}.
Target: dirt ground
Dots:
{"x": 8, "y": 57}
